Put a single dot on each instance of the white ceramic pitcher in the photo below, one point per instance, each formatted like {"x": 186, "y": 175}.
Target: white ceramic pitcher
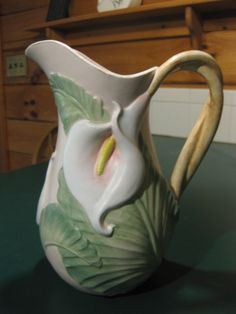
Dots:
{"x": 106, "y": 213}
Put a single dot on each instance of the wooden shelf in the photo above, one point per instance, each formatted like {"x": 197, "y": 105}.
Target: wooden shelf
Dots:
{"x": 165, "y": 19}
{"x": 160, "y": 9}
{"x": 157, "y": 31}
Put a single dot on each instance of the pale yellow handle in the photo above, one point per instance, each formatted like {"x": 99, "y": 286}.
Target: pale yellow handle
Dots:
{"x": 205, "y": 128}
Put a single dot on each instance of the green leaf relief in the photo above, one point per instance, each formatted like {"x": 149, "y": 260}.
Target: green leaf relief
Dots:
{"x": 118, "y": 263}
{"x": 75, "y": 103}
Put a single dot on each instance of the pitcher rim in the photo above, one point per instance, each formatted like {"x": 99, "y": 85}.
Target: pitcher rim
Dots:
{"x": 88, "y": 60}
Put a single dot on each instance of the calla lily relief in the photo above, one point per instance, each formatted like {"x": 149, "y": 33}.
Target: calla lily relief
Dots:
{"x": 109, "y": 166}
{"x": 106, "y": 214}
{"x": 102, "y": 163}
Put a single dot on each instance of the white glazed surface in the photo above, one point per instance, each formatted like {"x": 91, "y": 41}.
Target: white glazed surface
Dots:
{"x": 108, "y": 5}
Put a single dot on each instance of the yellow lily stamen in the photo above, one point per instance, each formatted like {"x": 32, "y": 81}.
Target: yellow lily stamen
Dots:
{"x": 104, "y": 154}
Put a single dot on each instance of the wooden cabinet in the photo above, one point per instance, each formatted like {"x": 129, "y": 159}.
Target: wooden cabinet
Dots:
{"x": 124, "y": 41}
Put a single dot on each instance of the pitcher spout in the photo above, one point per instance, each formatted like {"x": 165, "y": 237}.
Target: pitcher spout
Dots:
{"x": 56, "y": 57}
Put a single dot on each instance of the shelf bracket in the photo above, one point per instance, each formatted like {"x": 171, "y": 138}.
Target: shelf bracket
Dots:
{"x": 51, "y": 33}
{"x": 194, "y": 25}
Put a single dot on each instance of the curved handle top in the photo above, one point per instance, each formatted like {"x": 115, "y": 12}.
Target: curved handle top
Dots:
{"x": 205, "y": 127}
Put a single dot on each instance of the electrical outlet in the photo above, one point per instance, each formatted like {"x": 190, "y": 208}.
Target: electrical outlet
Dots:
{"x": 16, "y": 66}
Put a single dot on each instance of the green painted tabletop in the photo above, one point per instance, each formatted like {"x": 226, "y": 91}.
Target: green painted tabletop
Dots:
{"x": 198, "y": 274}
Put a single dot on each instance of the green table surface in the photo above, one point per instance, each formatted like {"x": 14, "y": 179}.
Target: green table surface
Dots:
{"x": 198, "y": 274}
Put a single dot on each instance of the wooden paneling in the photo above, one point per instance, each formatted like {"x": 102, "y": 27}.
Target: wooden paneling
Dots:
{"x": 130, "y": 57}
{"x": 82, "y": 7}
{"x": 222, "y": 45}
{"x": 27, "y": 98}
{"x": 13, "y": 46}
{"x": 14, "y": 26}
{"x": 31, "y": 102}
{"x": 3, "y": 129}
{"x": 19, "y": 160}
{"x": 24, "y": 136}
{"x": 14, "y": 6}
{"x": 123, "y": 33}
{"x": 219, "y": 24}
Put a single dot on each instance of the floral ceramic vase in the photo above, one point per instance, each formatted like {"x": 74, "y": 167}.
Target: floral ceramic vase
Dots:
{"x": 106, "y": 214}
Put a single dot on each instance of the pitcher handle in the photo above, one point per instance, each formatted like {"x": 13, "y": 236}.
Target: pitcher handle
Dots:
{"x": 205, "y": 127}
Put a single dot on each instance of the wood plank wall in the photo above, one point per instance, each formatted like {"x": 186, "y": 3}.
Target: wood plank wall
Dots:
{"x": 30, "y": 110}
{"x": 3, "y": 126}
{"x": 29, "y": 104}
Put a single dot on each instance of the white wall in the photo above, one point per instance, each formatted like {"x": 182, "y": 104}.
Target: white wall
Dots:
{"x": 174, "y": 111}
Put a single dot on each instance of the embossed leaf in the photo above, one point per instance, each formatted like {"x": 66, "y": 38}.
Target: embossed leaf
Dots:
{"x": 56, "y": 229}
{"x": 75, "y": 103}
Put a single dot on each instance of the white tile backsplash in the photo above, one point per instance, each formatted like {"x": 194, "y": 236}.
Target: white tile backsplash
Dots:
{"x": 198, "y": 95}
{"x": 172, "y": 94}
{"x": 232, "y": 132}
{"x": 223, "y": 132}
{"x": 174, "y": 112}
{"x": 168, "y": 118}
{"x": 234, "y": 100}
{"x": 195, "y": 110}
{"x": 229, "y": 97}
